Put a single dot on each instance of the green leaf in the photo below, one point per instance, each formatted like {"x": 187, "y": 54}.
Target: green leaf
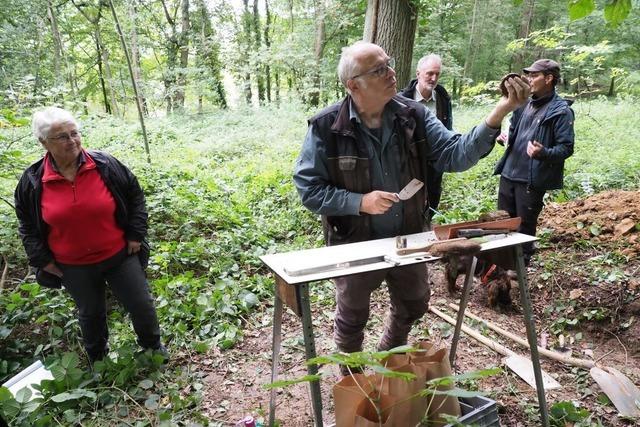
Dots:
{"x": 23, "y": 395}
{"x": 286, "y": 383}
{"x": 595, "y": 229}
{"x": 145, "y": 384}
{"x": 250, "y": 299}
{"x": 69, "y": 360}
{"x": 78, "y": 393}
{"x": 152, "y": 402}
{"x": 579, "y": 9}
{"x": 616, "y": 11}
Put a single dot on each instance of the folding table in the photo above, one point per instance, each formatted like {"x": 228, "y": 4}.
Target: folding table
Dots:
{"x": 294, "y": 271}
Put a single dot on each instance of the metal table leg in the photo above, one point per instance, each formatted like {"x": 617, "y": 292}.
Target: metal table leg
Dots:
{"x": 310, "y": 350}
{"x": 464, "y": 299}
{"x": 530, "y": 324}
{"x": 275, "y": 355}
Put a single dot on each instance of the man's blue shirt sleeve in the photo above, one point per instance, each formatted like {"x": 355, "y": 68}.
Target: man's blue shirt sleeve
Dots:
{"x": 453, "y": 152}
{"x": 311, "y": 178}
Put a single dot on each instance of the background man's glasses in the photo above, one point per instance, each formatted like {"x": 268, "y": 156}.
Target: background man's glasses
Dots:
{"x": 64, "y": 137}
{"x": 380, "y": 71}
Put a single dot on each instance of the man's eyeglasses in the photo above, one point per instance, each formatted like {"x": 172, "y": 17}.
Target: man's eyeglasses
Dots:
{"x": 64, "y": 137}
{"x": 381, "y": 71}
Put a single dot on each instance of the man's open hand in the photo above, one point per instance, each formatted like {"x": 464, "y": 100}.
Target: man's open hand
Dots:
{"x": 377, "y": 202}
{"x": 534, "y": 148}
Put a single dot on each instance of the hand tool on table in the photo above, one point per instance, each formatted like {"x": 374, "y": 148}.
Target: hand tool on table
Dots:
{"x": 624, "y": 395}
{"x": 520, "y": 365}
{"x": 410, "y": 189}
{"x": 336, "y": 266}
{"x": 479, "y": 232}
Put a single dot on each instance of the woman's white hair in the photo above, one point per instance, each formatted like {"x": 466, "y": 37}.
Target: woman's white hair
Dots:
{"x": 348, "y": 66}
{"x": 42, "y": 121}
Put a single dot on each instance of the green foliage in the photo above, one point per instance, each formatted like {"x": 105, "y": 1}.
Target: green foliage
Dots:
{"x": 566, "y": 412}
{"x": 580, "y": 8}
{"x": 220, "y": 195}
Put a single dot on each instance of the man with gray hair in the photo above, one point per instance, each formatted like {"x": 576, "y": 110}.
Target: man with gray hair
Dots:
{"x": 426, "y": 90}
{"x": 357, "y": 155}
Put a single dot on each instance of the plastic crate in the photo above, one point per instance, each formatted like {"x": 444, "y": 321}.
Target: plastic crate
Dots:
{"x": 478, "y": 411}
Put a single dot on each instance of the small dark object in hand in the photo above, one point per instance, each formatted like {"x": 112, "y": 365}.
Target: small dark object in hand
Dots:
{"x": 503, "y": 88}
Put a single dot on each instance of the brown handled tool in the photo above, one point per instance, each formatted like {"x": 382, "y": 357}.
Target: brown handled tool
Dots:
{"x": 457, "y": 246}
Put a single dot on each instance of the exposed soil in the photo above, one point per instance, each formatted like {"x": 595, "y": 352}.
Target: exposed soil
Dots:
{"x": 587, "y": 269}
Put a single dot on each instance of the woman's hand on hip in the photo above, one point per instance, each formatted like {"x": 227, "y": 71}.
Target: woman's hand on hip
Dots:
{"x": 53, "y": 269}
{"x": 133, "y": 247}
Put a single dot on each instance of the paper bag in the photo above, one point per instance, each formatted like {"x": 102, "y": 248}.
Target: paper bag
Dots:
{"x": 347, "y": 395}
{"x": 437, "y": 366}
{"x": 367, "y": 416}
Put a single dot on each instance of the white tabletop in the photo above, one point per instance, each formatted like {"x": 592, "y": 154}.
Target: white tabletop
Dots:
{"x": 328, "y": 255}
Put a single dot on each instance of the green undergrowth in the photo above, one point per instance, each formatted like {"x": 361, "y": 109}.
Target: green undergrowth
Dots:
{"x": 219, "y": 195}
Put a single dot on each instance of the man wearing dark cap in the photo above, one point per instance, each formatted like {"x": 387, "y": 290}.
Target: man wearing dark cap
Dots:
{"x": 540, "y": 139}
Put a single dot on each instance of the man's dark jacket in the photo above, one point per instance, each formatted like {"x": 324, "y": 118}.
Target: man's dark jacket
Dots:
{"x": 348, "y": 165}
{"x": 131, "y": 214}
{"x": 444, "y": 113}
{"x": 555, "y": 133}
{"x": 443, "y": 102}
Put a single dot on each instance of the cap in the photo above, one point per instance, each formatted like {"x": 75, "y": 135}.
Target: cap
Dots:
{"x": 545, "y": 65}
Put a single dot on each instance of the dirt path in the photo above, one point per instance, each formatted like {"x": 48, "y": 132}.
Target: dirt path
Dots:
{"x": 586, "y": 273}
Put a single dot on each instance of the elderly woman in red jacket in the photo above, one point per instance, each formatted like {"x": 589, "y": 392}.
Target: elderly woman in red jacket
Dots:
{"x": 83, "y": 224}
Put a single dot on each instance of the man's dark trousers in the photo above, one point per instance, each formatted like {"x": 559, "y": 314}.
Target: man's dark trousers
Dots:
{"x": 519, "y": 199}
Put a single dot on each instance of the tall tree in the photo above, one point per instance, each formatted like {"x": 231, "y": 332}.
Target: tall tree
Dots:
{"x": 135, "y": 53}
{"x": 208, "y": 57}
{"x": 246, "y": 44}
{"x": 318, "y": 50}
{"x": 518, "y": 57}
{"x": 94, "y": 17}
{"x": 258, "y": 63}
{"x": 391, "y": 24}
{"x": 183, "y": 41}
{"x": 267, "y": 43}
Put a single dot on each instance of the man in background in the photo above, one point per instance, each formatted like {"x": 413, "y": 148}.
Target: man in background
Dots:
{"x": 540, "y": 138}
{"x": 426, "y": 90}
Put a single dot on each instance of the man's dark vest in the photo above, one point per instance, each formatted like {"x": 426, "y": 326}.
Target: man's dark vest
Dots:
{"x": 348, "y": 164}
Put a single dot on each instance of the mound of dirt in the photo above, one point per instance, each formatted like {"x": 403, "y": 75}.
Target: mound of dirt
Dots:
{"x": 608, "y": 217}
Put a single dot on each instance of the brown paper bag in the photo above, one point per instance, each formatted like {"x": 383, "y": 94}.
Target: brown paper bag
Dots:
{"x": 410, "y": 406}
{"x": 438, "y": 366}
{"x": 366, "y": 415}
{"x": 347, "y": 395}
{"x": 425, "y": 348}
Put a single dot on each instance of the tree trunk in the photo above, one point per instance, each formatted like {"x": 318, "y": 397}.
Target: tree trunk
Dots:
{"x": 391, "y": 24}
{"x": 468, "y": 62}
{"x": 103, "y": 84}
{"x": 133, "y": 81}
{"x": 518, "y": 57}
{"x": 246, "y": 25}
{"x": 172, "y": 45}
{"x": 267, "y": 43}
{"x": 259, "y": 67}
{"x": 57, "y": 44}
{"x": 135, "y": 54}
{"x": 318, "y": 51}
{"x": 209, "y": 56}
{"x": 184, "y": 56}
{"x": 109, "y": 78}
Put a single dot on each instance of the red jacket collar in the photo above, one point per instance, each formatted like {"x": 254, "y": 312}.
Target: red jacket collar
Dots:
{"x": 50, "y": 173}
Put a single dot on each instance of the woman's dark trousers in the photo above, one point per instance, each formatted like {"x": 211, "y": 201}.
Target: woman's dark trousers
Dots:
{"x": 126, "y": 278}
